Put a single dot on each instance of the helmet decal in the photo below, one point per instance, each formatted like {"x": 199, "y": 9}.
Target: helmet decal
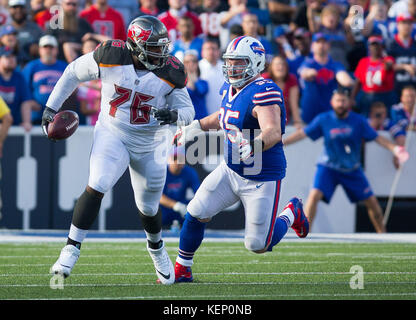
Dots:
{"x": 257, "y": 49}
{"x": 235, "y": 43}
{"x": 136, "y": 33}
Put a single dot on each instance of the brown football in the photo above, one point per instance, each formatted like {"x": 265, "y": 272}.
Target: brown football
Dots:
{"x": 63, "y": 125}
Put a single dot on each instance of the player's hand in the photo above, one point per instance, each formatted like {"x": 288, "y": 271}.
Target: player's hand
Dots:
{"x": 166, "y": 116}
{"x": 244, "y": 147}
{"x": 180, "y": 208}
{"x": 401, "y": 154}
{"x": 47, "y": 117}
{"x": 187, "y": 133}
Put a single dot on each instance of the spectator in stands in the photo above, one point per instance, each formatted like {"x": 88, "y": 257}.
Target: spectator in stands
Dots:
{"x": 70, "y": 36}
{"x": 308, "y": 15}
{"x": 42, "y": 74}
{"x": 343, "y": 132}
{"x": 236, "y": 31}
{"x": 211, "y": 71}
{"x": 127, "y": 8}
{"x": 282, "y": 11}
{"x": 408, "y": 10}
{"x": 186, "y": 41}
{"x": 105, "y": 20}
{"x": 4, "y": 14}
{"x": 209, "y": 15}
{"x": 28, "y": 32}
{"x": 177, "y": 9}
{"x": 332, "y": 26}
{"x": 43, "y": 15}
{"x": 403, "y": 114}
{"x": 321, "y": 76}
{"x": 403, "y": 49}
{"x": 234, "y": 15}
{"x": 148, "y": 7}
{"x": 179, "y": 179}
{"x": 353, "y": 28}
{"x": 197, "y": 88}
{"x": 89, "y": 93}
{"x": 375, "y": 77}
{"x": 301, "y": 49}
{"x": 250, "y": 26}
{"x": 279, "y": 73}
{"x": 376, "y": 22}
{"x": 6, "y": 121}
{"x": 8, "y": 38}
{"x": 15, "y": 91}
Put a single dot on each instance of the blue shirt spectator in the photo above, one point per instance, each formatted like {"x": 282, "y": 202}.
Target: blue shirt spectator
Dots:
{"x": 317, "y": 90}
{"x": 42, "y": 74}
{"x": 13, "y": 87}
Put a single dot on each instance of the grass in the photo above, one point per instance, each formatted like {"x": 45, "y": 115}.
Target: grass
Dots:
{"x": 294, "y": 270}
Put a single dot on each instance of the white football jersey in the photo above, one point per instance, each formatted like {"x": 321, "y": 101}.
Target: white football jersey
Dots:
{"x": 128, "y": 96}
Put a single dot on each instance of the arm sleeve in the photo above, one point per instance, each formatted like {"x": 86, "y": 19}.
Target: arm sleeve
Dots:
{"x": 80, "y": 70}
{"x": 179, "y": 99}
{"x": 314, "y": 129}
{"x": 369, "y": 133}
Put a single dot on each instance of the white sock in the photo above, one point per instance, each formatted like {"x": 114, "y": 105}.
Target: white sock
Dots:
{"x": 186, "y": 263}
{"x": 289, "y": 214}
{"x": 77, "y": 234}
{"x": 154, "y": 237}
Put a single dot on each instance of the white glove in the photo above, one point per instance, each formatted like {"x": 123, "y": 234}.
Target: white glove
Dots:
{"x": 401, "y": 154}
{"x": 181, "y": 208}
{"x": 244, "y": 147}
{"x": 186, "y": 134}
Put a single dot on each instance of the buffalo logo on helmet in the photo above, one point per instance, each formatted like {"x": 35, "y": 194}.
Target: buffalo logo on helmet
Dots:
{"x": 137, "y": 33}
{"x": 257, "y": 48}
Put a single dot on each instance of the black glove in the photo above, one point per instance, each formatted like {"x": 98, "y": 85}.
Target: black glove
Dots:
{"x": 47, "y": 117}
{"x": 166, "y": 116}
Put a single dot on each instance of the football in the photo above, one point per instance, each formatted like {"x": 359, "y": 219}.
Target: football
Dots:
{"x": 63, "y": 125}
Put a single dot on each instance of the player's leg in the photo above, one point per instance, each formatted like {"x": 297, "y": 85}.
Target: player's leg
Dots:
{"x": 358, "y": 189}
{"x": 108, "y": 161}
{"x": 214, "y": 195}
{"x": 148, "y": 176}
{"x": 261, "y": 201}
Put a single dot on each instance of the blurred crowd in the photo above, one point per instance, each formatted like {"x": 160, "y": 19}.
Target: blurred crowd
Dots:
{"x": 312, "y": 48}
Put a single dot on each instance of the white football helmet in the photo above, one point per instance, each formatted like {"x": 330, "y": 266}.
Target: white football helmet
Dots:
{"x": 252, "y": 52}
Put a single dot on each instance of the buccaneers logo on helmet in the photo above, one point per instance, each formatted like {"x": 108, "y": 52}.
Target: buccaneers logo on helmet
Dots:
{"x": 137, "y": 34}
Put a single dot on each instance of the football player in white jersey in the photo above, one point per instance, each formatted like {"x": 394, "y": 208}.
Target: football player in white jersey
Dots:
{"x": 252, "y": 116}
{"x": 143, "y": 91}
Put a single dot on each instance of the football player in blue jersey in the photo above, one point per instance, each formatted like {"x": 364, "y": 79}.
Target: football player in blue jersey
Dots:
{"x": 252, "y": 116}
{"x": 343, "y": 132}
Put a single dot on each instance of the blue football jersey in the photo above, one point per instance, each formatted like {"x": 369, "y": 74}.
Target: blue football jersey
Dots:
{"x": 236, "y": 116}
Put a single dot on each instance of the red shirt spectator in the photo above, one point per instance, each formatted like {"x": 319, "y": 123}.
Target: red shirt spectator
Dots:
{"x": 42, "y": 17}
{"x": 105, "y": 20}
{"x": 170, "y": 21}
{"x": 373, "y": 75}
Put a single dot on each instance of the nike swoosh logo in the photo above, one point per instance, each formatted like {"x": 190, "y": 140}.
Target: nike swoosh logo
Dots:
{"x": 164, "y": 275}
{"x": 269, "y": 88}
{"x": 259, "y": 185}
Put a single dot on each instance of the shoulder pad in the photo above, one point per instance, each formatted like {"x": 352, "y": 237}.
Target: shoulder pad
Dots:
{"x": 173, "y": 73}
{"x": 112, "y": 52}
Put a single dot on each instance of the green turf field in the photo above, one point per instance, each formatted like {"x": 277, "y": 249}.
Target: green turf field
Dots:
{"x": 294, "y": 270}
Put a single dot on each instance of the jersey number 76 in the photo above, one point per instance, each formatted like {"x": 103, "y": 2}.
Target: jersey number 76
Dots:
{"x": 139, "y": 112}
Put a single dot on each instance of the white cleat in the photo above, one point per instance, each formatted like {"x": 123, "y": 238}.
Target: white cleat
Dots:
{"x": 163, "y": 265}
{"x": 66, "y": 261}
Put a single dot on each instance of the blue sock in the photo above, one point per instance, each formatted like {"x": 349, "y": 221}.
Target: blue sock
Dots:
{"x": 191, "y": 237}
{"x": 279, "y": 231}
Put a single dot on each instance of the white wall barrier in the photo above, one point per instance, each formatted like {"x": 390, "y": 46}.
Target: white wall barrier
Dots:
{"x": 336, "y": 217}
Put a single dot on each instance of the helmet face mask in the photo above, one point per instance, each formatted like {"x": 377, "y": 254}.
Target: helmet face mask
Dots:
{"x": 148, "y": 40}
{"x": 244, "y": 60}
